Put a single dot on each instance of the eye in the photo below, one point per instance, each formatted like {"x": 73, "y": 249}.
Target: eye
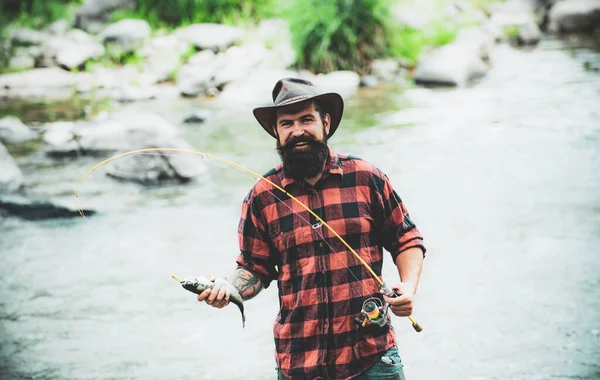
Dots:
{"x": 307, "y": 120}
{"x": 285, "y": 124}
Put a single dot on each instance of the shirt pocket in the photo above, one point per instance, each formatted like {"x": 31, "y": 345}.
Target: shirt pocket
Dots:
{"x": 295, "y": 248}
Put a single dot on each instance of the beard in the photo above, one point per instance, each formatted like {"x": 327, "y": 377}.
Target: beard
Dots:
{"x": 303, "y": 164}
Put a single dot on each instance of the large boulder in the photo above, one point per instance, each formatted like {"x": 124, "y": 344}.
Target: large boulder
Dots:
{"x": 28, "y": 37}
{"x": 575, "y": 16}
{"x": 127, "y": 129}
{"x": 11, "y": 177}
{"x": 74, "y": 55}
{"x": 126, "y": 35}
{"x": 216, "y": 37}
{"x": 93, "y": 14}
{"x": 13, "y": 131}
{"x": 162, "y": 56}
{"x": 159, "y": 167}
{"x": 450, "y": 65}
{"x": 44, "y": 83}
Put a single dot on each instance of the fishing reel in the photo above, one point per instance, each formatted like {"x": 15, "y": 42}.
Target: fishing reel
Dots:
{"x": 373, "y": 312}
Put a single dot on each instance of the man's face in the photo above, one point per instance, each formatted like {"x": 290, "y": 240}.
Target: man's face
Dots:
{"x": 300, "y": 124}
{"x": 301, "y": 140}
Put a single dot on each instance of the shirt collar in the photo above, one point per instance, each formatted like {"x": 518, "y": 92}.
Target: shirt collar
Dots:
{"x": 333, "y": 166}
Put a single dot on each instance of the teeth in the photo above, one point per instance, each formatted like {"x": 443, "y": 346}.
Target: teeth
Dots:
{"x": 301, "y": 143}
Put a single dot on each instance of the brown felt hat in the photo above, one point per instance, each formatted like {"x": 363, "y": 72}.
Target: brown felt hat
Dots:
{"x": 293, "y": 90}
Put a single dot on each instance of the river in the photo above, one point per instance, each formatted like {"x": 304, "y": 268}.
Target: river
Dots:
{"x": 502, "y": 177}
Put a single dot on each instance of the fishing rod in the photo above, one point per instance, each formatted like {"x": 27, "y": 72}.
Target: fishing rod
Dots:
{"x": 372, "y": 311}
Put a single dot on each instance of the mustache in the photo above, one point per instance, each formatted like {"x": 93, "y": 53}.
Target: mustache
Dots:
{"x": 295, "y": 140}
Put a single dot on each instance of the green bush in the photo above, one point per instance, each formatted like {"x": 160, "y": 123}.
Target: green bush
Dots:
{"x": 36, "y": 13}
{"x": 339, "y": 34}
{"x": 174, "y": 13}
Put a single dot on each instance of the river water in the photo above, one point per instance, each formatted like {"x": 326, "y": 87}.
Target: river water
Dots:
{"x": 503, "y": 179}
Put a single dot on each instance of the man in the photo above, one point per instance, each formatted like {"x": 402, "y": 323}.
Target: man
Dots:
{"x": 322, "y": 286}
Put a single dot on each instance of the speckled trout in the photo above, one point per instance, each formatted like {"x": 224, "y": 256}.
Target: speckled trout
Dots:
{"x": 199, "y": 284}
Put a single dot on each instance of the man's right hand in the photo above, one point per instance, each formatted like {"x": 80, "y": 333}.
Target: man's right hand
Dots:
{"x": 217, "y": 297}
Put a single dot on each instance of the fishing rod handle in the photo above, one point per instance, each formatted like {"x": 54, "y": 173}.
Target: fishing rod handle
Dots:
{"x": 390, "y": 293}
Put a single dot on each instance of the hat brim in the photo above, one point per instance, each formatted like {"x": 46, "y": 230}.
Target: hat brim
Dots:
{"x": 333, "y": 103}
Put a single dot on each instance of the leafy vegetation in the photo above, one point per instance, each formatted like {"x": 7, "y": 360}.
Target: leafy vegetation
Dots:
{"x": 409, "y": 43}
{"x": 173, "y": 13}
{"x": 339, "y": 34}
{"x": 36, "y": 13}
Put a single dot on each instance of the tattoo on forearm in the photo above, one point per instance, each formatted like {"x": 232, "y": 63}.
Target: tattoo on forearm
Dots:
{"x": 246, "y": 283}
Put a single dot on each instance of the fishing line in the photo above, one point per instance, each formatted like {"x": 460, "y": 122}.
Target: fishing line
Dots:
{"x": 384, "y": 287}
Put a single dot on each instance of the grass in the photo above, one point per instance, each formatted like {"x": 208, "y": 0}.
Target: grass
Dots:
{"x": 175, "y": 13}
{"x": 339, "y": 34}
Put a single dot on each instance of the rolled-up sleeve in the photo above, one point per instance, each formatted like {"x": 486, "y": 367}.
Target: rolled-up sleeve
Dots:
{"x": 256, "y": 249}
{"x": 397, "y": 232}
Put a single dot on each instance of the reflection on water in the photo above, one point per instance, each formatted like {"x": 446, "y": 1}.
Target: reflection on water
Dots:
{"x": 502, "y": 178}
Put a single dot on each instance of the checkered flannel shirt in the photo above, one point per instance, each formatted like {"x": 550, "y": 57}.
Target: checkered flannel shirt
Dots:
{"x": 322, "y": 286}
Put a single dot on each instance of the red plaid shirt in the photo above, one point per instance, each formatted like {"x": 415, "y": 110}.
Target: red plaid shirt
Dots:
{"x": 322, "y": 286}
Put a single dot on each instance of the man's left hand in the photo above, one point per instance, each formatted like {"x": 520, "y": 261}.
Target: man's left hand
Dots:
{"x": 402, "y": 304}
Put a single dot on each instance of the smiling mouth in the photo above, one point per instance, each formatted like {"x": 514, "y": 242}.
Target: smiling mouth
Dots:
{"x": 301, "y": 143}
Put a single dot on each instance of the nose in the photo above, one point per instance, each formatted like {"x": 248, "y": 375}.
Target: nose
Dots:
{"x": 297, "y": 130}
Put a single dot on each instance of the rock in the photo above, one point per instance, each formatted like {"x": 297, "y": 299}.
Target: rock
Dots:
{"x": 450, "y": 65}
{"x": 132, "y": 93}
{"x": 197, "y": 117}
{"x": 476, "y": 39}
{"x": 253, "y": 90}
{"x": 368, "y": 81}
{"x": 126, "y": 35}
{"x": 238, "y": 62}
{"x": 385, "y": 69}
{"x": 512, "y": 15}
{"x": 37, "y": 209}
{"x": 164, "y": 46}
{"x": 94, "y": 13}
{"x": 216, "y": 37}
{"x": 202, "y": 58}
{"x": 28, "y": 37}
{"x": 46, "y": 83}
{"x": 79, "y": 36}
{"x": 529, "y": 34}
{"x": 13, "y": 131}
{"x": 21, "y": 62}
{"x": 58, "y": 28}
{"x": 76, "y": 54}
{"x": 194, "y": 80}
{"x": 11, "y": 178}
{"x": 123, "y": 131}
{"x": 574, "y": 16}
{"x": 343, "y": 82}
{"x": 153, "y": 169}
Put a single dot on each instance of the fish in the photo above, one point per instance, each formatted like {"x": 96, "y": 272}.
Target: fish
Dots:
{"x": 199, "y": 284}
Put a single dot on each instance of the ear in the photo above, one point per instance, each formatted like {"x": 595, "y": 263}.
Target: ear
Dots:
{"x": 327, "y": 124}
{"x": 275, "y": 131}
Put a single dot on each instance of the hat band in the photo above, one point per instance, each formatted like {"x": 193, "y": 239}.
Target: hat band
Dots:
{"x": 293, "y": 98}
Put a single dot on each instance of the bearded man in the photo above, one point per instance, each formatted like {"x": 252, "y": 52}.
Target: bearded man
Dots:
{"x": 322, "y": 286}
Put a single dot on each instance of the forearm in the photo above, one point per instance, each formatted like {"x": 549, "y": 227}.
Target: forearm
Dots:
{"x": 410, "y": 263}
{"x": 246, "y": 283}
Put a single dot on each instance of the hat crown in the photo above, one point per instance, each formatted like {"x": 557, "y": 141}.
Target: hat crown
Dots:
{"x": 292, "y": 89}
